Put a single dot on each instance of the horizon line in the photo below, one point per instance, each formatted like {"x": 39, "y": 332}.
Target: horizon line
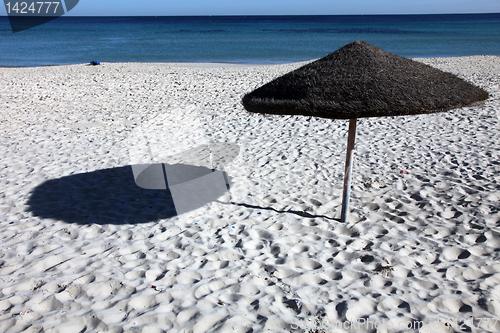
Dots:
{"x": 229, "y": 15}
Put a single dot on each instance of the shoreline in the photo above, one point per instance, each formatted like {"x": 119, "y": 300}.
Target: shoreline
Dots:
{"x": 227, "y": 64}
{"x": 187, "y": 64}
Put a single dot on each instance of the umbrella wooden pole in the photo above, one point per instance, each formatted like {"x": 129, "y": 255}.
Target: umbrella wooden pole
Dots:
{"x": 348, "y": 167}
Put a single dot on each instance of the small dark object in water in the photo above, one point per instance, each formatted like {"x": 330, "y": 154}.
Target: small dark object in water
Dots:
{"x": 95, "y": 63}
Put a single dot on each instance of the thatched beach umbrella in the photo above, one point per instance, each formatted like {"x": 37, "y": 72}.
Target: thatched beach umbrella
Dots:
{"x": 360, "y": 80}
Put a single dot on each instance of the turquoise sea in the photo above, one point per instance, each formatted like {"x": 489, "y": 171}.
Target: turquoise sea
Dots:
{"x": 243, "y": 39}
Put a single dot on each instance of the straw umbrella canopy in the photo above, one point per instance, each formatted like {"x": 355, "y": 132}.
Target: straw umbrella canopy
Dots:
{"x": 361, "y": 80}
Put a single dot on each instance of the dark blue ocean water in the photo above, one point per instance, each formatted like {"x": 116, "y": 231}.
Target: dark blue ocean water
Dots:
{"x": 243, "y": 39}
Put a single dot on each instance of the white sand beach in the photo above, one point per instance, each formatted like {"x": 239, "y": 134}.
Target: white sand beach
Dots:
{"x": 84, "y": 249}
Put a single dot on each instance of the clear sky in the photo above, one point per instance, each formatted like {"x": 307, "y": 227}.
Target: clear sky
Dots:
{"x": 277, "y": 7}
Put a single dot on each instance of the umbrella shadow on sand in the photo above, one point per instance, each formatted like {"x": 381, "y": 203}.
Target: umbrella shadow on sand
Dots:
{"x": 138, "y": 193}
{"x": 112, "y": 196}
